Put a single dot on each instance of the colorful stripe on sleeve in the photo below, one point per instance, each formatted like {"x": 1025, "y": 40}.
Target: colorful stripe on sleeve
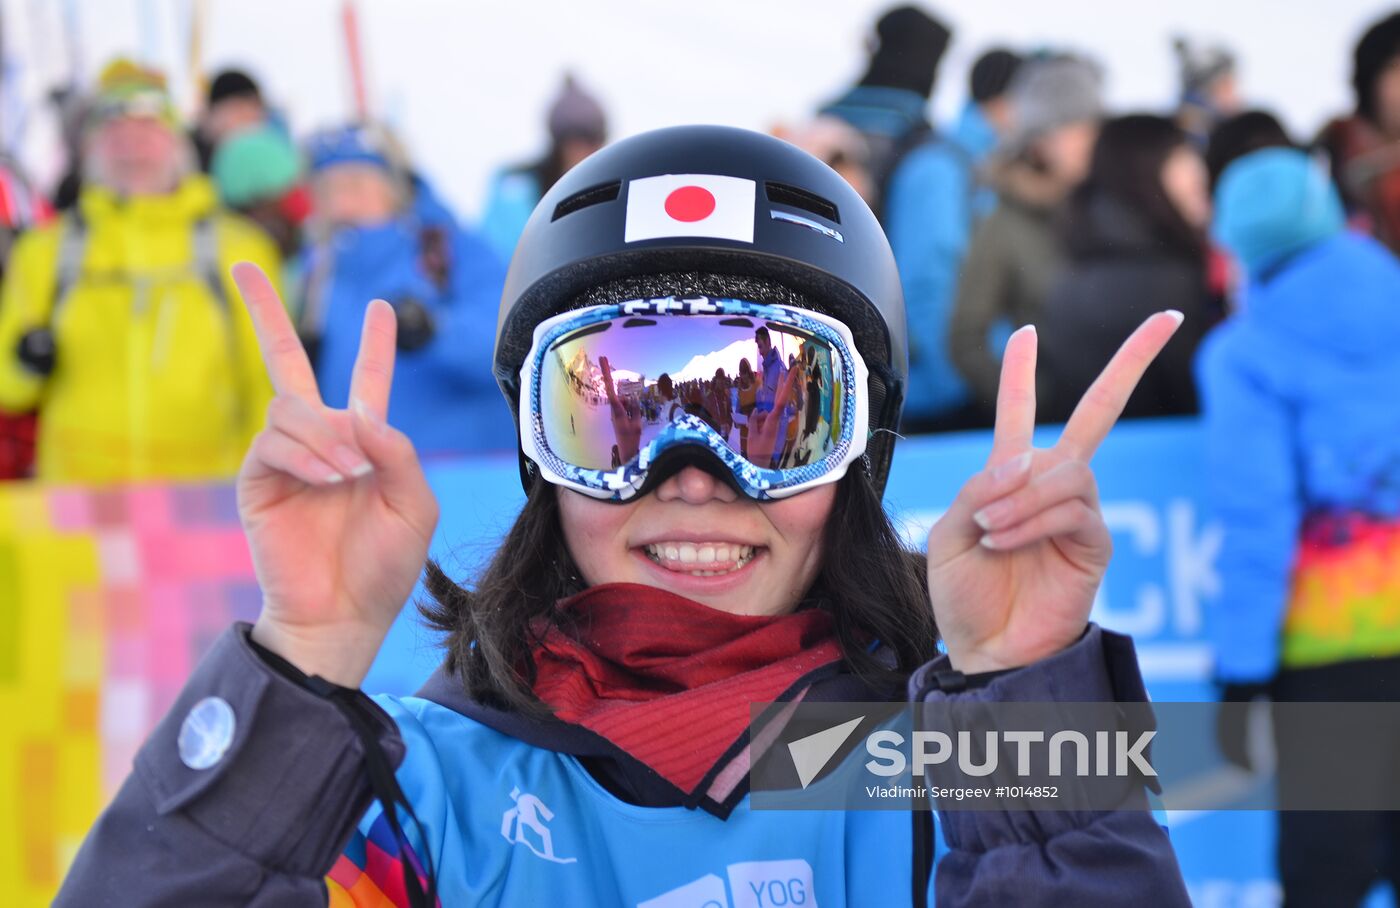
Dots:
{"x": 369, "y": 873}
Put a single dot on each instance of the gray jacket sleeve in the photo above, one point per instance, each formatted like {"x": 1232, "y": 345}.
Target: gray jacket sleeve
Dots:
{"x": 244, "y": 794}
{"x": 1047, "y": 858}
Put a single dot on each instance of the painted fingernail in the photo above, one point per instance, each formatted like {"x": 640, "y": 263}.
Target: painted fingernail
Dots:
{"x": 331, "y": 476}
{"x": 992, "y": 514}
{"x": 1175, "y": 315}
{"x": 351, "y": 462}
{"x": 1012, "y": 468}
{"x": 987, "y": 542}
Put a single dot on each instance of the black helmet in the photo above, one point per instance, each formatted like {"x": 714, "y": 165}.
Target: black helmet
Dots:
{"x": 815, "y": 245}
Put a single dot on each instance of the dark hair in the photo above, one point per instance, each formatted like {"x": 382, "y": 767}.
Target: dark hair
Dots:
{"x": 1372, "y": 55}
{"x": 1238, "y": 136}
{"x": 991, "y": 75}
{"x": 1127, "y": 167}
{"x": 232, "y": 83}
{"x": 874, "y": 588}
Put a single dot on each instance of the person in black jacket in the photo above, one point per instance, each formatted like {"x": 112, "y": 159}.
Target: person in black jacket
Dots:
{"x": 1134, "y": 232}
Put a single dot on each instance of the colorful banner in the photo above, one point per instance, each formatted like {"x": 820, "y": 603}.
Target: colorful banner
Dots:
{"x": 107, "y": 600}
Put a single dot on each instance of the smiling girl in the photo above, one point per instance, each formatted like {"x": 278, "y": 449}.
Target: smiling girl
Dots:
{"x": 585, "y": 742}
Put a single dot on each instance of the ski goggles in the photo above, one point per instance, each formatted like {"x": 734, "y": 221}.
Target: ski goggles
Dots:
{"x": 142, "y": 104}
{"x": 612, "y": 394}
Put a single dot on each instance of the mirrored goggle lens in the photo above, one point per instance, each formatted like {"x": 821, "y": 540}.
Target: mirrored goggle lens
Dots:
{"x": 774, "y": 392}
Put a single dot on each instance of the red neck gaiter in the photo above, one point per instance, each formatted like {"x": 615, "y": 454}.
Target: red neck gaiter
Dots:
{"x": 669, "y": 680}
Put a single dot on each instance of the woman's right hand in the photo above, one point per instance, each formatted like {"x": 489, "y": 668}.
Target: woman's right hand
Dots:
{"x": 336, "y": 508}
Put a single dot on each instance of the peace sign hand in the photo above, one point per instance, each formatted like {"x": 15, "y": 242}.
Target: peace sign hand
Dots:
{"x": 336, "y": 508}
{"x": 1015, "y": 562}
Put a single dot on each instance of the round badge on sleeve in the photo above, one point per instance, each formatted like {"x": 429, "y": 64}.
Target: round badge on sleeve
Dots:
{"x": 206, "y": 733}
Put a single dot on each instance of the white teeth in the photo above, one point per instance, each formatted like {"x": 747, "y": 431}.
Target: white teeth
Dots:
{"x": 674, "y": 554}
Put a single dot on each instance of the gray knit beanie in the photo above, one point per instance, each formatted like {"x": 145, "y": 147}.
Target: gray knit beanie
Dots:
{"x": 576, "y": 114}
{"x": 1050, "y": 92}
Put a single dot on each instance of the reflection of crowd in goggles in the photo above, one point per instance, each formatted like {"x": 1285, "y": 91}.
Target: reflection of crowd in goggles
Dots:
{"x": 786, "y": 403}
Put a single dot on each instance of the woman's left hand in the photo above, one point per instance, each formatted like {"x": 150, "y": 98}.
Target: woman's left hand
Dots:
{"x": 1014, "y": 563}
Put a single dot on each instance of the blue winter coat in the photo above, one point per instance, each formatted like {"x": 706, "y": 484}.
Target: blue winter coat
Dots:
{"x": 444, "y": 395}
{"x": 927, "y": 214}
{"x": 974, "y": 134}
{"x": 1299, "y": 394}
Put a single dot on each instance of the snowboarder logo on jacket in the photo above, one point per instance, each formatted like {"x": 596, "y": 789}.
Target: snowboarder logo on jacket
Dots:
{"x": 530, "y": 813}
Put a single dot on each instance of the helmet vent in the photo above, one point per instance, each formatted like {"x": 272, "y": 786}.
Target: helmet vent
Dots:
{"x": 593, "y": 195}
{"x": 783, "y": 194}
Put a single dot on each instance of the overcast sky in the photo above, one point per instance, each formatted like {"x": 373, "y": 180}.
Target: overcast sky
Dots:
{"x": 467, "y": 81}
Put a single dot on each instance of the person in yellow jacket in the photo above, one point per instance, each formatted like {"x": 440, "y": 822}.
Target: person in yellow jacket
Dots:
{"x": 120, "y": 322}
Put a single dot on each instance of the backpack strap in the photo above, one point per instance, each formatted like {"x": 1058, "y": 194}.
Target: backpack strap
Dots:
{"x": 206, "y": 263}
{"x": 72, "y": 252}
{"x": 916, "y": 138}
{"x": 72, "y": 248}
{"x": 206, "y": 258}
{"x": 315, "y": 294}
{"x": 897, "y": 151}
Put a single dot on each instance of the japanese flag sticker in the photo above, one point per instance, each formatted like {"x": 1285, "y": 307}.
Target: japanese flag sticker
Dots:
{"x": 690, "y": 204}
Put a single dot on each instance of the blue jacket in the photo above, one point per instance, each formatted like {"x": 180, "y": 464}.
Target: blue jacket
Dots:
{"x": 505, "y": 822}
{"x": 510, "y": 201}
{"x": 444, "y": 397}
{"x": 976, "y": 137}
{"x": 1298, "y": 392}
{"x": 927, "y": 213}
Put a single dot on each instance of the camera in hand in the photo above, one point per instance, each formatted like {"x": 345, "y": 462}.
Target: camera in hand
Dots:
{"x": 416, "y": 327}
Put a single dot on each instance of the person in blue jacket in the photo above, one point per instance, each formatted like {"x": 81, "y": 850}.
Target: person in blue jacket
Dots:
{"x": 380, "y": 232}
{"x": 1303, "y": 462}
{"x": 585, "y": 742}
{"x": 578, "y": 126}
{"x": 985, "y": 119}
{"x": 924, "y": 185}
